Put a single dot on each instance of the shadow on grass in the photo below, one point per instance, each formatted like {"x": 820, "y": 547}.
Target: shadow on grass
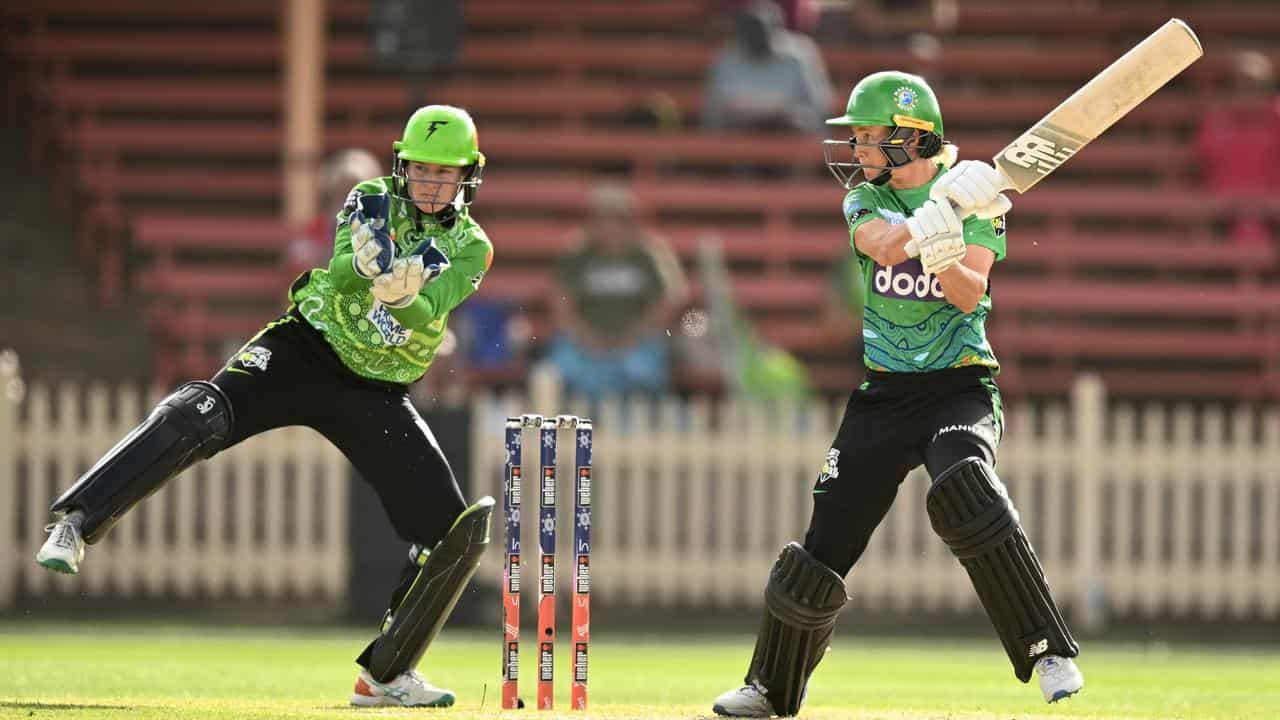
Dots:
{"x": 60, "y": 706}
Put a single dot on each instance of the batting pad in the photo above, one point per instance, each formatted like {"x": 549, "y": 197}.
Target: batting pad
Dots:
{"x": 430, "y": 600}
{"x": 191, "y": 424}
{"x": 970, "y": 510}
{"x": 802, "y": 600}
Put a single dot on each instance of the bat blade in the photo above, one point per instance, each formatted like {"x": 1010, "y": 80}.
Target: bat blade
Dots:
{"x": 1098, "y": 105}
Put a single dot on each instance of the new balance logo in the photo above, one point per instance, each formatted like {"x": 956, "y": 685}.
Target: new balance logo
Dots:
{"x": 1033, "y": 152}
{"x": 1038, "y": 648}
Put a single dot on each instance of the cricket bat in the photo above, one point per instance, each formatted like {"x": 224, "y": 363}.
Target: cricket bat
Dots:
{"x": 1096, "y": 106}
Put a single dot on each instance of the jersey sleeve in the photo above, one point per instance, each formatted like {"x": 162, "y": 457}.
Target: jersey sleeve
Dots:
{"x": 363, "y": 198}
{"x": 859, "y": 208}
{"x": 986, "y": 233}
{"x": 455, "y": 284}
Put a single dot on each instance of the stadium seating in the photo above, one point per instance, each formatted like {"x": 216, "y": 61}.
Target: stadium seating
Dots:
{"x": 1119, "y": 264}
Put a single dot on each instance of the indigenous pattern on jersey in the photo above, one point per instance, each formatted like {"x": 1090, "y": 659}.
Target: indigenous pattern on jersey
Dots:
{"x": 374, "y": 341}
{"x": 908, "y": 326}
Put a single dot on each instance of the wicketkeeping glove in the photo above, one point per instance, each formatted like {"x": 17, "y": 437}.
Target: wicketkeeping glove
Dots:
{"x": 399, "y": 287}
{"x": 373, "y": 250}
{"x": 408, "y": 276}
{"x": 434, "y": 261}
{"x": 937, "y": 236}
{"x": 974, "y": 187}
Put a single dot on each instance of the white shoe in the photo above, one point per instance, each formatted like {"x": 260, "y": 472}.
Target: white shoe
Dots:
{"x": 64, "y": 549}
{"x": 746, "y": 701}
{"x": 1059, "y": 677}
{"x": 408, "y": 689}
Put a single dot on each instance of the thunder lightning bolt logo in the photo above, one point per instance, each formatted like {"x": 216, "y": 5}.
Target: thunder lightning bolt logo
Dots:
{"x": 432, "y": 127}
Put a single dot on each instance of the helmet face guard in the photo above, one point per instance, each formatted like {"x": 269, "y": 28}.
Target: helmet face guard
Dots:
{"x": 842, "y": 160}
{"x": 455, "y": 194}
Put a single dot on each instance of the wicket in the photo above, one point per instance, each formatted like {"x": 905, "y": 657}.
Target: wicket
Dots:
{"x": 548, "y": 429}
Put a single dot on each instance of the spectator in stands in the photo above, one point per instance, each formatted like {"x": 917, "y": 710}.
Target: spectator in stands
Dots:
{"x": 615, "y": 294}
{"x": 313, "y": 244}
{"x": 420, "y": 40}
{"x": 1238, "y": 143}
{"x": 766, "y": 78}
{"x": 799, "y": 15}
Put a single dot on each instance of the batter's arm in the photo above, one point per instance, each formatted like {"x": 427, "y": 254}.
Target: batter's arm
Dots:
{"x": 965, "y": 283}
{"x": 882, "y": 242}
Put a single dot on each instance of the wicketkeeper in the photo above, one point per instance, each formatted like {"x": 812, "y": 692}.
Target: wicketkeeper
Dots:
{"x": 340, "y": 360}
{"x": 930, "y": 398}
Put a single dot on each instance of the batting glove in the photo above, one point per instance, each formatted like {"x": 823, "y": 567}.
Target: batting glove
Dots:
{"x": 937, "y": 236}
{"x": 974, "y": 187}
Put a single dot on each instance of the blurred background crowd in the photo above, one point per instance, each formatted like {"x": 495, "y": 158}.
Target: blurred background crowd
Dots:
{"x": 655, "y": 188}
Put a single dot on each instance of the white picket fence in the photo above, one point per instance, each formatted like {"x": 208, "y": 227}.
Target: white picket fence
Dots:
{"x": 1145, "y": 510}
{"x": 1149, "y": 510}
{"x": 266, "y": 519}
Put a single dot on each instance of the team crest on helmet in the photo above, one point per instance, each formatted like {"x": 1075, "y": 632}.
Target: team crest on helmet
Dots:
{"x": 905, "y": 97}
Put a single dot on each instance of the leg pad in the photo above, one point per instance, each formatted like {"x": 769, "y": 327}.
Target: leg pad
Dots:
{"x": 189, "y": 425}
{"x": 970, "y": 509}
{"x": 410, "y": 627}
{"x": 802, "y": 600}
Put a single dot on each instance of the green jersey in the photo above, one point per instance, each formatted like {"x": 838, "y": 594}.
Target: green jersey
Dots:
{"x": 908, "y": 326}
{"x": 377, "y": 342}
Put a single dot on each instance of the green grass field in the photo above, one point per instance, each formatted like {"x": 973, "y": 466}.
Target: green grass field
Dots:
{"x": 167, "y": 671}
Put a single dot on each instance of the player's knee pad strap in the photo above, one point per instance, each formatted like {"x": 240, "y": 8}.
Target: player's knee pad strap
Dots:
{"x": 802, "y": 600}
{"x": 970, "y": 510}
{"x": 191, "y": 424}
{"x": 446, "y": 570}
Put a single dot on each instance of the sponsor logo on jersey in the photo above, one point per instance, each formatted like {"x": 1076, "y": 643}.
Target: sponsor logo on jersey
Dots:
{"x": 392, "y": 332}
{"x": 997, "y": 224}
{"x": 906, "y": 281}
{"x": 893, "y": 216}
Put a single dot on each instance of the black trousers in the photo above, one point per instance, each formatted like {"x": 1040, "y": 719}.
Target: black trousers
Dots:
{"x": 288, "y": 375}
{"x": 893, "y": 423}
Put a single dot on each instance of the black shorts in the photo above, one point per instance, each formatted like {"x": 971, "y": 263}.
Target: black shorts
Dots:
{"x": 893, "y": 423}
{"x": 288, "y": 375}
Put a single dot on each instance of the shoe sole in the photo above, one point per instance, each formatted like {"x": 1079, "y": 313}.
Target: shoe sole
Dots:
{"x": 1062, "y": 695}
{"x": 724, "y": 712}
{"x": 384, "y": 701}
{"x": 57, "y": 565}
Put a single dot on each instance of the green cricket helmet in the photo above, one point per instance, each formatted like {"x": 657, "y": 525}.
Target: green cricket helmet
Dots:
{"x": 893, "y": 99}
{"x": 440, "y": 135}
